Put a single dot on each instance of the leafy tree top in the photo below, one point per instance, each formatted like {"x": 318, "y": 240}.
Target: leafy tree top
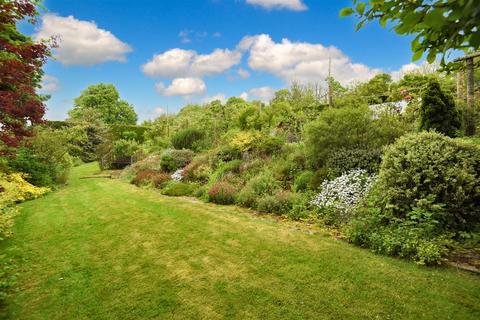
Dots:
{"x": 104, "y": 99}
{"x": 439, "y": 25}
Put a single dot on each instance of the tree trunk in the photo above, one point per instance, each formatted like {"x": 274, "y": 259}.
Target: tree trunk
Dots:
{"x": 470, "y": 123}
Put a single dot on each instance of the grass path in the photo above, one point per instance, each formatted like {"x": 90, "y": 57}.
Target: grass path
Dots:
{"x": 103, "y": 249}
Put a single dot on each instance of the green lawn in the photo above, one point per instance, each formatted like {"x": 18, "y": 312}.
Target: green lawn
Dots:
{"x": 103, "y": 249}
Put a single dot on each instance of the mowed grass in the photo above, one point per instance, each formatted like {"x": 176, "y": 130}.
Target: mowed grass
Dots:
{"x": 103, "y": 249}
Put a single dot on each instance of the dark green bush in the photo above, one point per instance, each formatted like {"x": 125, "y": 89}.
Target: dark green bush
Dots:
{"x": 302, "y": 181}
{"x": 436, "y": 173}
{"x": 189, "y": 138}
{"x": 347, "y": 159}
{"x": 179, "y": 189}
{"x": 172, "y": 159}
{"x": 438, "y": 111}
{"x": 425, "y": 196}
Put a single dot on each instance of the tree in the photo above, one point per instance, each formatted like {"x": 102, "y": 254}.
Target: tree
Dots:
{"x": 439, "y": 25}
{"x": 438, "y": 111}
{"x": 21, "y": 62}
{"x": 104, "y": 98}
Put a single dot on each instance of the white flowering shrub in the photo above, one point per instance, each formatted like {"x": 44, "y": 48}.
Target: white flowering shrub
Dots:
{"x": 344, "y": 192}
{"x": 177, "y": 175}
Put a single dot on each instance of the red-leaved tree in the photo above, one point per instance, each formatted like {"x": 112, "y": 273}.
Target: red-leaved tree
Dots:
{"x": 21, "y": 61}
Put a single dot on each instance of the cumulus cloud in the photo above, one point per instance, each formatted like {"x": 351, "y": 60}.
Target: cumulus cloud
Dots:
{"x": 424, "y": 68}
{"x": 177, "y": 63}
{"x": 49, "y": 84}
{"x": 218, "y": 96}
{"x": 182, "y": 87}
{"x": 81, "y": 42}
{"x": 242, "y": 73}
{"x": 302, "y": 61}
{"x": 295, "y": 5}
{"x": 264, "y": 94}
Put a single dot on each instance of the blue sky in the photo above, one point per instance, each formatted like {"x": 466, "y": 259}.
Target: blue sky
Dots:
{"x": 167, "y": 53}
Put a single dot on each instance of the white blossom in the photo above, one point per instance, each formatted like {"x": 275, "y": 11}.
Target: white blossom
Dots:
{"x": 344, "y": 192}
{"x": 177, "y": 175}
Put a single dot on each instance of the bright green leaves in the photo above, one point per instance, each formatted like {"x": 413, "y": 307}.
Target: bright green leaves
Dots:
{"x": 442, "y": 25}
{"x": 346, "y": 12}
{"x": 434, "y": 19}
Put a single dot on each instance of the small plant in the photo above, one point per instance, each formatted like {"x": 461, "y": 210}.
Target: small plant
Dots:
{"x": 257, "y": 187}
{"x": 222, "y": 193}
{"x": 302, "y": 181}
{"x": 179, "y": 189}
{"x": 280, "y": 203}
{"x": 172, "y": 159}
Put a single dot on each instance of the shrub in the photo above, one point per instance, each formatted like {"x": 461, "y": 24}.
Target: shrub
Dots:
{"x": 348, "y": 128}
{"x": 267, "y": 145}
{"x": 428, "y": 170}
{"x": 438, "y": 111}
{"x": 198, "y": 170}
{"x": 124, "y": 148}
{"x": 302, "y": 181}
{"x": 222, "y": 193}
{"x": 189, "y": 138}
{"x": 257, "y": 187}
{"x": 172, "y": 159}
{"x": 280, "y": 203}
{"x": 344, "y": 159}
{"x": 178, "y": 189}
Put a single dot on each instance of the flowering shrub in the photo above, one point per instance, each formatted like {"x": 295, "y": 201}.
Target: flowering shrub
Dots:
{"x": 177, "y": 175}
{"x": 222, "y": 193}
{"x": 344, "y": 192}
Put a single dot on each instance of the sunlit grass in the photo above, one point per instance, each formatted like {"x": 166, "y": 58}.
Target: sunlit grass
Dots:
{"x": 103, "y": 249}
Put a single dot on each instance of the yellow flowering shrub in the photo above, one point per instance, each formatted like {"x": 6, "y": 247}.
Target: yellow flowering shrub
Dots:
{"x": 14, "y": 189}
{"x": 244, "y": 140}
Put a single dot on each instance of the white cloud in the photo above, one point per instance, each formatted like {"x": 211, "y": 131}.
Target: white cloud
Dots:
{"x": 244, "y": 74}
{"x": 182, "y": 87}
{"x": 424, "y": 68}
{"x": 49, "y": 84}
{"x": 81, "y": 42}
{"x": 185, "y": 36}
{"x": 244, "y": 96}
{"x": 176, "y": 63}
{"x": 218, "y": 96}
{"x": 302, "y": 61}
{"x": 264, "y": 94}
{"x": 296, "y": 5}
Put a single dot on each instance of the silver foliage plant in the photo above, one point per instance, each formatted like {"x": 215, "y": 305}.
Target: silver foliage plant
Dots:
{"x": 346, "y": 191}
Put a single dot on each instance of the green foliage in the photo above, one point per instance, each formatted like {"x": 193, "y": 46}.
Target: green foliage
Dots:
{"x": 222, "y": 193}
{"x": 189, "y": 138}
{"x": 46, "y": 159}
{"x": 438, "y": 25}
{"x": 436, "y": 173}
{"x": 257, "y": 187}
{"x": 347, "y": 159}
{"x": 104, "y": 98}
{"x": 302, "y": 181}
{"x": 179, "y": 189}
{"x": 125, "y": 148}
{"x": 128, "y": 132}
{"x": 280, "y": 203}
{"x": 438, "y": 111}
{"x": 172, "y": 159}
